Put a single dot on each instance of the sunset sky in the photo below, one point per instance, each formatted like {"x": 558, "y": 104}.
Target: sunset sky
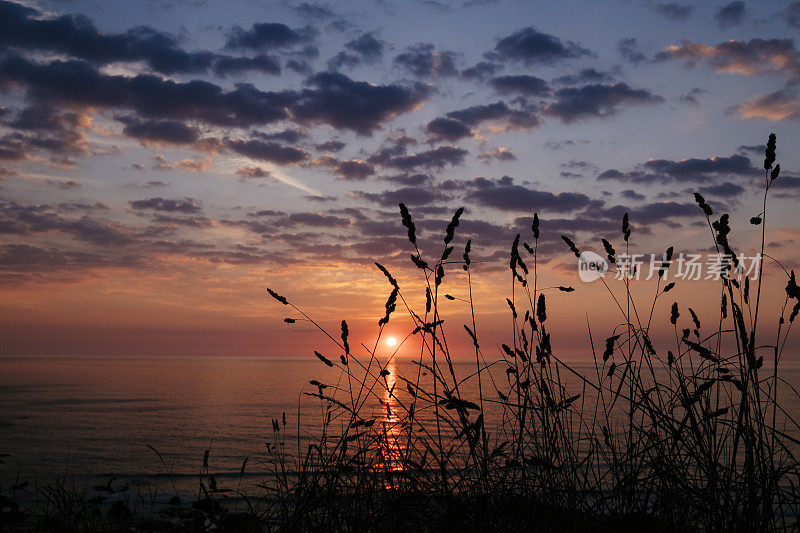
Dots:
{"x": 163, "y": 162}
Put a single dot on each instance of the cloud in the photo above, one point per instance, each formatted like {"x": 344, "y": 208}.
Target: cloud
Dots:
{"x": 415, "y": 180}
{"x": 396, "y": 146}
{"x": 531, "y": 47}
{"x": 77, "y": 206}
{"x": 447, "y": 129}
{"x": 423, "y": 61}
{"x": 239, "y": 257}
{"x": 331, "y": 98}
{"x": 187, "y": 205}
{"x": 43, "y": 117}
{"x": 505, "y": 195}
{"x": 731, "y": 14}
{"x": 630, "y": 194}
{"x": 299, "y": 65}
{"x": 111, "y": 150}
{"x": 498, "y": 154}
{"x": 66, "y": 184}
{"x": 552, "y": 228}
{"x": 351, "y": 169}
{"x": 351, "y": 212}
{"x": 658, "y": 212}
{"x": 316, "y": 220}
{"x": 338, "y": 101}
{"x": 330, "y": 146}
{"x": 266, "y": 213}
{"x": 692, "y": 170}
{"x": 690, "y": 98}
{"x": 385, "y": 226}
{"x": 634, "y": 176}
{"x": 672, "y": 11}
{"x": 321, "y": 199}
{"x": 757, "y": 149}
{"x": 267, "y": 151}
{"x": 22, "y": 262}
{"x": 354, "y": 169}
{"x": 188, "y": 164}
{"x": 585, "y": 76}
{"x": 253, "y": 172}
{"x": 19, "y": 147}
{"x": 43, "y": 127}
{"x": 579, "y": 165}
{"x": 191, "y": 222}
{"x": 267, "y": 36}
{"x": 154, "y": 184}
{"x": 17, "y": 219}
{"x": 746, "y": 58}
{"x": 669, "y": 213}
{"x": 521, "y": 84}
{"x": 313, "y": 11}
{"x": 407, "y": 195}
{"x": 481, "y": 70}
{"x": 256, "y": 226}
{"x": 79, "y": 84}
{"x": 689, "y": 169}
{"x": 725, "y": 190}
{"x": 343, "y": 59}
{"x": 787, "y": 182}
{"x": 292, "y": 136}
{"x": 780, "y": 105}
{"x": 160, "y": 131}
{"x": 366, "y": 48}
{"x": 629, "y": 50}
{"x": 438, "y": 157}
{"x": 265, "y": 64}
{"x": 375, "y": 248}
{"x": 597, "y": 101}
{"x": 13, "y": 148}
{"x": 76, "y": 36}
{"x": 496, "y": 112}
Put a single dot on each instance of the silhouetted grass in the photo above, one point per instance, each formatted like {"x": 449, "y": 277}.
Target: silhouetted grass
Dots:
{"x": 688, "y": 437}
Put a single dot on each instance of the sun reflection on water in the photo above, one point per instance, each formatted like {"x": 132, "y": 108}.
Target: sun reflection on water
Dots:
{"x": 391, "y": 448}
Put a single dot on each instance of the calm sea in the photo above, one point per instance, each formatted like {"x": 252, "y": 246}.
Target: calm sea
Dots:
{"x": 94, "y": 419}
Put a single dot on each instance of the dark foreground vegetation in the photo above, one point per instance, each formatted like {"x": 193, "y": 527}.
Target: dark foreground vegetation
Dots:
{"x": 691, "y": 436}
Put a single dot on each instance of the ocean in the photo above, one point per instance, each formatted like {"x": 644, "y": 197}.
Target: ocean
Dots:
{"x": 95, "y": 420}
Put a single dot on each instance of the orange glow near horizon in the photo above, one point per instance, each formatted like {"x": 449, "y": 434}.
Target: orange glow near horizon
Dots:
{"x": 202, "y": 311}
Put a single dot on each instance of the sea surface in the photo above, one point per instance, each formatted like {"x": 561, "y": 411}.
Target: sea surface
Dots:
{"x": 95, "y": 420}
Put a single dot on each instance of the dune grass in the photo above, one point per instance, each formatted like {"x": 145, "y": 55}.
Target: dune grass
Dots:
{"x": 690, "y": 436}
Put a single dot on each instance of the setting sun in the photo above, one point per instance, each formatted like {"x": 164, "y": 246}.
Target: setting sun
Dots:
{"x": 391, "y": 341}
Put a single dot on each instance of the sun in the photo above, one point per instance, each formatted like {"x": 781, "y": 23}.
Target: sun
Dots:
{"x": 391, "y": 341}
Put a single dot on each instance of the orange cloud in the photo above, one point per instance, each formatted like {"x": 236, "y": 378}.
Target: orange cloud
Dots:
{"x": 191, "y": 165}
{"x": 746, "y": 58}
{"x": 780, "y": 105}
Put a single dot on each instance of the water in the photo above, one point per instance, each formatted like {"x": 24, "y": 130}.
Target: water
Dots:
{"x": 95, "y": 419}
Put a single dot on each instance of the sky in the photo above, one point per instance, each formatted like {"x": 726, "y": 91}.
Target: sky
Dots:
{"x": 163, "y": 162}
